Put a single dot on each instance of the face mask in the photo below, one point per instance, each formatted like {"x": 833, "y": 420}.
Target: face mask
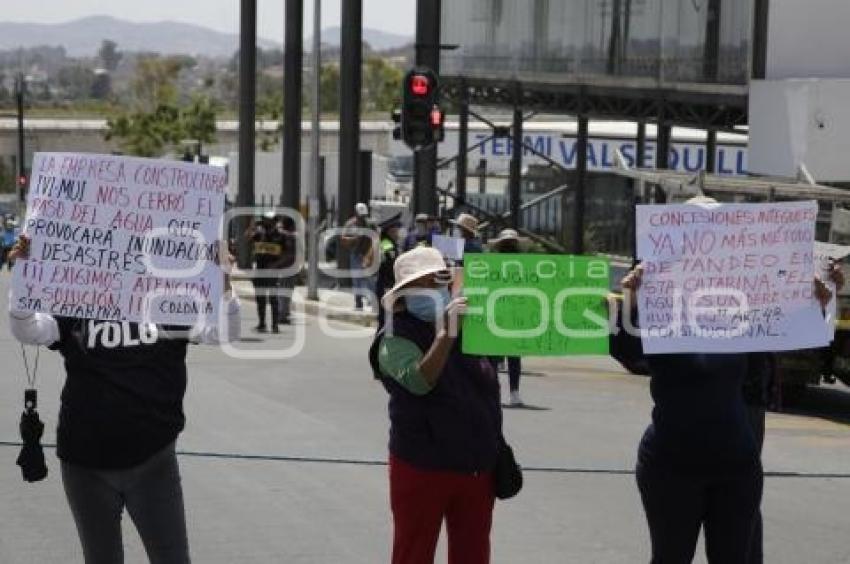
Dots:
{"x": 428, "y": 305}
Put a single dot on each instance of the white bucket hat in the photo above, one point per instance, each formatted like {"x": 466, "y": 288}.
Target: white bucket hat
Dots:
{"x": 413, "y": 265}
{"x": 467, "y": 222}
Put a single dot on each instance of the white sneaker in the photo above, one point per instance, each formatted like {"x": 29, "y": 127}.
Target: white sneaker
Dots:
{"x": 516, "y": 400}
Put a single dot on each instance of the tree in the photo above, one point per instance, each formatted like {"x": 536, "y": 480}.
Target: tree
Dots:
{"x": 154, "y": 81}
{"x": 145, "y": 133}
{"x": 156, "y": 123}
{"x": 76, "y": 81}
{"x": 329, "y": 88}
{"x": 197, "y": 121}
{"x": 109, "y": 54}
{"x": 381, "y": 85}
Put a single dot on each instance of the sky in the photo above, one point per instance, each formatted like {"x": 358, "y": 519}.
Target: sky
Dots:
{"x": 396, "y": 16}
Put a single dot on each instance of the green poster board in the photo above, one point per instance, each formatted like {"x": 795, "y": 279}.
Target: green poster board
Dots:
{"x": 535, "y": 305}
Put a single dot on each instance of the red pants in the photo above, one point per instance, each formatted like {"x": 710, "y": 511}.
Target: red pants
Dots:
{"x": 421, "y": 499}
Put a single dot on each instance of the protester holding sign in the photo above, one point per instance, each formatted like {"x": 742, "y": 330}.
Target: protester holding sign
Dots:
{"x": 445, "y": 418}
{"x": 699, "y": 462}
{"x": 121, "y": 412}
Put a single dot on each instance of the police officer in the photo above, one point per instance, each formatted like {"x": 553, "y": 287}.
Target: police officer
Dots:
{"x": 389, "y": 253}
{"x": 269, "y": 242}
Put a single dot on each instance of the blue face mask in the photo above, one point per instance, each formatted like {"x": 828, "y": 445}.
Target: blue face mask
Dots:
{"x": 428, "y": 305}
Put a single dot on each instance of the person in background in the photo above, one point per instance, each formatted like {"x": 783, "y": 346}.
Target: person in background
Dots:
{"x": 359, "y": 246}
{"x": 289, "y": 243}
{"x": 420, "y": 235}
{"x": 435, "y": 226}
{"x": 508, "y": 241}
{"x": 268, "y": 248}
{"x": 9, "y": 236}
{"x": 120, "y": 415}
{"x": 466, "y": 227}
{"x": 699, "y": 461}
{"x": 389, "y": 254}
{"x": 445, "y": 418}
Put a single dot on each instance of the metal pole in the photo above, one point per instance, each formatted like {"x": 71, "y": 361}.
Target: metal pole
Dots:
{"x": 315, "y": 161}
{"x": 293, "y": 62}
{"x": 350, "y": 80}
{"x": 711, "y": 51}
{"x": 760, "y": 24}
{"x": 428, "y": 55}
{"x": 247, "y": 116}
{"x": 20, "y": 87}
{"x": 581, "y": 179}
{"x": 711, "y": 151}
{"x": 463, "y": 143}
{"x": 662, "y": 145}
{"x": 516, "y": 164}
{"x": 640, "y": 152}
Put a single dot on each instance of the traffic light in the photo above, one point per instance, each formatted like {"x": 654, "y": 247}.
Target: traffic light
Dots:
{"x": 420, "y": 118}
{"x": 22, "y": 181}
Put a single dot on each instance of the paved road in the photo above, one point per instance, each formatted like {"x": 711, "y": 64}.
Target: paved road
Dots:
{"x": 322, "y": 403}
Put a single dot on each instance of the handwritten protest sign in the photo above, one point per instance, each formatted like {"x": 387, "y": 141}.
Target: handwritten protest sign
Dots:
{"x": 535, "y": 305}
{"x": 122, "y": 239}
{"x": 728, "y": 278}
{"x": 450, "y": 247}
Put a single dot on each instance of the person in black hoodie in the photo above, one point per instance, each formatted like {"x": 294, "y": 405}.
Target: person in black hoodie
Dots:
{"x": 121, "y": 412}
{"x": 445, "y": 418}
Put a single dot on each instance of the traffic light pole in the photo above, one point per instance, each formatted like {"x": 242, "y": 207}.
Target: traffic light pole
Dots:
{"x": 293, "y": 62}
{"x": 247, "y": 115}
{"x": 427, "y": 55}
{"x": 350, "y": 79}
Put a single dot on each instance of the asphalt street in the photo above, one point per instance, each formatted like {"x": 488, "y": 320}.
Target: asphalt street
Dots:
{"x": 252, "y": 497}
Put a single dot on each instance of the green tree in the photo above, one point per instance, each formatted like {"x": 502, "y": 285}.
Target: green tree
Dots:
{"x": 329, "y": 88}
{"x": 381, "y": 85}
{"x": 197, "y": 121}
{"x": 156, "y": 123}
{"x": 109, "y": 54}
{"x": 146, "y": 133}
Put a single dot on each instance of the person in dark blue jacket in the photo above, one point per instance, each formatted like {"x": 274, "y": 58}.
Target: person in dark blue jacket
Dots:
{"x": 445, "y": 418}
{"x": 699, "y": 462}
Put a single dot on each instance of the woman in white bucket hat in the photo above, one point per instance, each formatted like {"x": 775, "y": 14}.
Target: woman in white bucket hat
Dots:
{"x": 445, "y": 417}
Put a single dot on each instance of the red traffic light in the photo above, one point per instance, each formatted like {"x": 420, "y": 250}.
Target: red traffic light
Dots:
{"x": 436, "y": 117}
{"x": 420, "y": 85}
{"x": 22, "y": 180}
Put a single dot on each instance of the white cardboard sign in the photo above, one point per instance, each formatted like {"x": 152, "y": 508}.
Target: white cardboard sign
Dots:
{"x": 725, "y": 278}
{"x": 451, "y": 247}
{"x": 122, "y": 239}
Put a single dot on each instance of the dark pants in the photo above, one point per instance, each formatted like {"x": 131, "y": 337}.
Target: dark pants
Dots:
{"x": 514, "y": 369}
{"x": 265, "y": 291}
{"x": 285, "y": 300}
{"x": 756, "y": 414}
{"x": 514, "y": 372}
{"x": 153, "y": 496}
{"x": 422, "y": 499}
{"x": 677, "y": 506}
